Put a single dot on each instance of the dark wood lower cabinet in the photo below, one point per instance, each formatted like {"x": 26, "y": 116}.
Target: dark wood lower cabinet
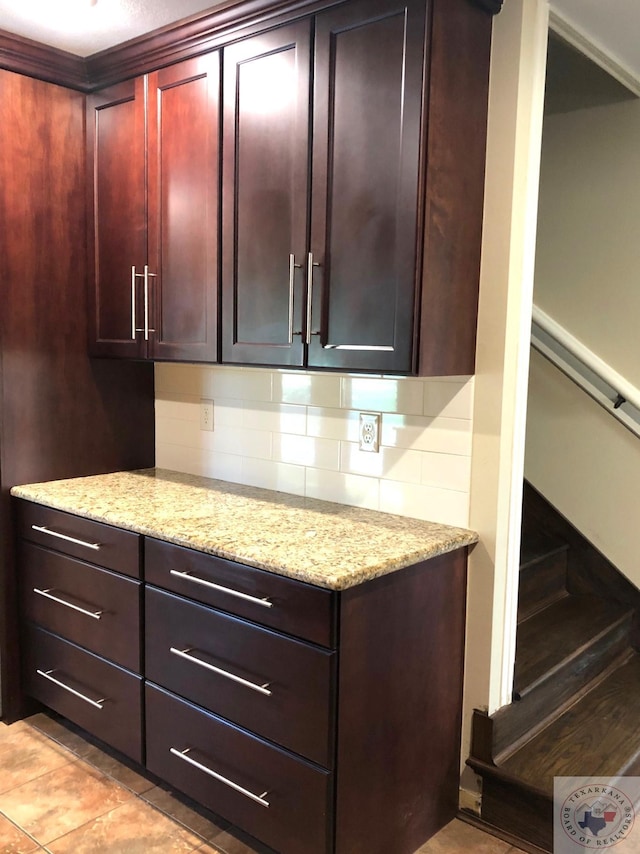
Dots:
{"x": 102, "y": 698}
{"x": 272, "y": 794}
{"x": 350, "y": 745}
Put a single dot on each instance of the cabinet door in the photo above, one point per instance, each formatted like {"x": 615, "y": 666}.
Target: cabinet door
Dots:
{"x": 183, "y": 187}
{"x": 366, "y": 168}
{"x": 265, "y": 169}
{"x": 117, "y": 235}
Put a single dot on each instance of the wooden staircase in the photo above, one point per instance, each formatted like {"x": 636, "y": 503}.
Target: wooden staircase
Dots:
{"x": 576, "y": 698}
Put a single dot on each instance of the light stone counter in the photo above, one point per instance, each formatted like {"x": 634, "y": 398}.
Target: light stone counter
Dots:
{"x": 335, "y": 546}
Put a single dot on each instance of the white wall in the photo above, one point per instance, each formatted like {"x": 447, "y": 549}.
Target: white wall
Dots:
{"x": 586, "y": 463}
{"x": 587, "y": 278}
{"x": 588, "y": 257}
{"x": 297, "y": 432}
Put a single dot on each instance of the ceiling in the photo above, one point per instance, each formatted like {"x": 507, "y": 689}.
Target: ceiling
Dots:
{"x": 610, "y": 25}
{"x": 83, "y": 29}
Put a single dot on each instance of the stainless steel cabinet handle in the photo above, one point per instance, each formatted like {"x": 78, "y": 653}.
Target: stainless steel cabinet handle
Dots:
{"x": 188, "y": 577}
{"x": 310, "y": 265}
{"x": 182, "y": 754}
{"x": 184, "y": 653}
{"x": 146, "y": 276}
{"x": 95, "y": 546}
{"x": 96, "y": 615}
{"x": 292, "y": 274}
{"x": 46, "y": 674}
{"x": 133, "y": 303}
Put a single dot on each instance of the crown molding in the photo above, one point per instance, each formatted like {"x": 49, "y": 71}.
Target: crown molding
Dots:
{"x": 33, "y": 59}
{"x": 181, "y": 40}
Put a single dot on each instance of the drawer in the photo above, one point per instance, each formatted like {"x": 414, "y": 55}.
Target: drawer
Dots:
{"x": 104, "y": 545}
{"x": 272, "y": 600}
{"x": 100, "y": 697}
{"x": 92, "y": 607}
{"x": 276, "y": 686}
{"x": 280, "y": 799}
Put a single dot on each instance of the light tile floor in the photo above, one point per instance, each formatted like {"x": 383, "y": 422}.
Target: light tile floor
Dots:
{"x": 63, "y": 794}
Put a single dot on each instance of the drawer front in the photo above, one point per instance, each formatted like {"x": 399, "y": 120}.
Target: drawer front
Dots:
{"x": 101, "y": 544}
{"x": 274, "y": 685}
{"x": 100, "y": 697}
{"x": 292, "y": 813}
{"x": 272, "y": 600}
{"x": 92, "y": 607}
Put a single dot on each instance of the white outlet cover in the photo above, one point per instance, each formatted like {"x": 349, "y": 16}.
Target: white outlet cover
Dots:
{"x": 369, "y": 432}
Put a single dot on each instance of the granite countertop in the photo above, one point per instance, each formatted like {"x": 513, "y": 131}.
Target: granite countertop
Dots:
{"x": 334, "y": 546}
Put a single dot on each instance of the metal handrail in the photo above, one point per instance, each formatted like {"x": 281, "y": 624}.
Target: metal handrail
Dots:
{"x": 601, "y": 382}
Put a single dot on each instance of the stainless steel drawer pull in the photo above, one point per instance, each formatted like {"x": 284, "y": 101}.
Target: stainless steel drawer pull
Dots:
{"x": 95, "y": 546}
{"x": 182, "y": 754}
{"x": 48, "y": 595}
{"x": 184, "y": 653}
{"x": 186, "y": 575}
{"x": 47, "y": 675}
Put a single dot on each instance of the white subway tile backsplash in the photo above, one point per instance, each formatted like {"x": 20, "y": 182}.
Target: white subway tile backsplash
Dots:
{"x": 178, "y": 406}
{"x": 237, "y": 384}
{"x": 392, "y": 463}
{"x": 442, "y": 435}
{"x": 383, "y": 394}
{"x": 174, "y": 431}
{"x": 452, "y": 400}
{"x": 277, "y": 417}
{"x": 311, "y": 389}
{"x": 338, "y": 424}
{"x": 306, "y": 451}
{"x": 179, "y": 379}
{"x": 274, "y": 475}
{"x": 343, "y": 488}
{"x": 447, "y": 471}
{"x": 425, "y": 502}
{"x": 297, "y": 432}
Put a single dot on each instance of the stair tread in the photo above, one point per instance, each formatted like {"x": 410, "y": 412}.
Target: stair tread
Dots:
{"x": 596, "y": 736}
{"x": 536, "y": 545}
{"x": 558, "y": 632}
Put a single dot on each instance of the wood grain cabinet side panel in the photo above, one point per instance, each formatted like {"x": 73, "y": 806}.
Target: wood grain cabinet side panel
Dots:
{"x": 400, "y": 707}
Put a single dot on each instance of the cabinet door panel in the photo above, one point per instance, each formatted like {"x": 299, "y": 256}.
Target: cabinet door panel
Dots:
{"x": 368, "y": 84}
{"x": 117, "y": 229}
{"x": 183, "y": 208}
{"x": 265, "y": 196}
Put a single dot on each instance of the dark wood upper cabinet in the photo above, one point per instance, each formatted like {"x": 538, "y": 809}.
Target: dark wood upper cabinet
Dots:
{"x": 368, "y": 72}
{"x": 117, "y": 234}
{"x": 154, "y": 232}
{"x": 352, "y": 188}
{"x": 345, "y": 297}
{"x": 352, "y": 166}
{"x": 265, "y": 181}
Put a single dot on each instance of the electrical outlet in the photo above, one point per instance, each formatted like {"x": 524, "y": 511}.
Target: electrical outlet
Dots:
{"x": 369, "y": 433}
{"x": 206, "y": 415}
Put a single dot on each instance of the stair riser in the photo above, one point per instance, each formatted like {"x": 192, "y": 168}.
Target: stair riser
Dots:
{"x": 549, "y": 697}
{"x": 541, "y": 583}
{"x": 521, "y": 813}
